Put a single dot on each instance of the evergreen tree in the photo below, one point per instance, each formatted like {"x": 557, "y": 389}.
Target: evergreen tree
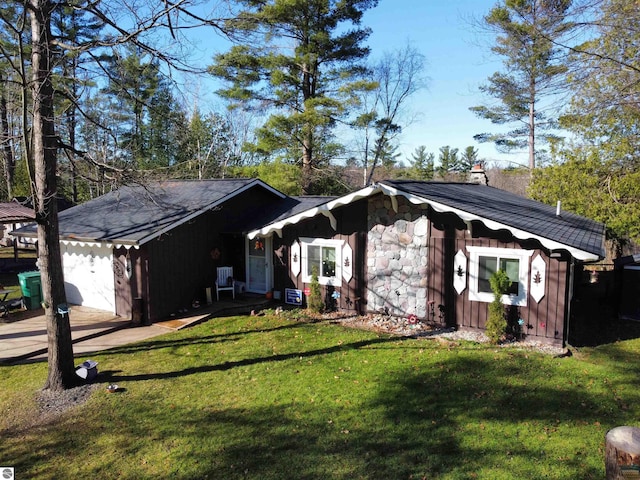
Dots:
{"x": 422, "y": 164}
{"x": 73, "y": 28}
{"x": 533, "y": 70}
{"x": 133, "y": 81}
{"x": 606, "y": 81}
{"x": 164, "y": 130}
{"x": 41, "y": 142}
{"x": 468, "y": 159}
{"x": 496, "y": 326}
{"x": 13, "y": 86}
{"x": 302, "y": 58}
{"x": 449, "y": 161}
{"x": 209, "y": 147}
{"x": 598, "y": 173}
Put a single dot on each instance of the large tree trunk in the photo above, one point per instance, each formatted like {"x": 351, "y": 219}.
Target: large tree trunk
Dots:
{"x": 622, "y": 451}
{"x": 60, "y": 355}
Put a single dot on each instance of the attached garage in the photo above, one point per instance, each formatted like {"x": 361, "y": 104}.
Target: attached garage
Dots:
{"x": 88, "y": 275}
{"x": 154, "y": 249}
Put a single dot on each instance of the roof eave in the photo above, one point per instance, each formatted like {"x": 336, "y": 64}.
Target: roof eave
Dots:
{"x": 115, "y": 243}
{"x": 468, "y": 217}
{"x": 391, "y": 191}
{"x": 324, "y": 209}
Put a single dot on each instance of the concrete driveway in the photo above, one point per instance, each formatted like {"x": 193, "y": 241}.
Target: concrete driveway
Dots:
{"x": 23, "y": 334}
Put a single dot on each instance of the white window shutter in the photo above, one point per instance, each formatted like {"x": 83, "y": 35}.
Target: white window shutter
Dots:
{"x": 347, "y": 263}
{"x": 295, "y": 259}
{"x": 538, "y": 278}
{"x": 460, "y": 272}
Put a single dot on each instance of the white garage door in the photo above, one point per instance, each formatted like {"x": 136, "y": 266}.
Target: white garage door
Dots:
{"x": 88, "y": 276}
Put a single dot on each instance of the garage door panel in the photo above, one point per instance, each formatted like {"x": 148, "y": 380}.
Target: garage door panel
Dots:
{"x": 88, "y": 276}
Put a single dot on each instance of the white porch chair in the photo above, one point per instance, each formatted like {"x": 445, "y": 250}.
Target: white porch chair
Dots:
{"x": 225, "y": 281}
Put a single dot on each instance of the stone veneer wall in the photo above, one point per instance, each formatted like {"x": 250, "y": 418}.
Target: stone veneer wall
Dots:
{"x": 397, "y": 252}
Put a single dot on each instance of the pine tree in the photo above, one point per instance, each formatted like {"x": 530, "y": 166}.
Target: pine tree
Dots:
{"x": 448, "y": 159}
{"x": 496, "y": 326}
{"x": 303, "y": 60}
{"x": 526, "y": 34}
{"x": 422, "y": 164}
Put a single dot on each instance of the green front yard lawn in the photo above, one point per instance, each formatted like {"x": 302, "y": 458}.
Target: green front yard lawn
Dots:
{"x": 272, "y": 398}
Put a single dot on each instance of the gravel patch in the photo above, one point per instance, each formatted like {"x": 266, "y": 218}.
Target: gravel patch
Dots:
{"x": 51, "y": 404}
{"x": 408, "y": 327}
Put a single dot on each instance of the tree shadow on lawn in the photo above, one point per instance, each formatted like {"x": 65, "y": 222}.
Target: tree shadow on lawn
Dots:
{"x": 443, "y": 420}
{"x": 425, "y": 425}
{"x": 254, "y": 361}
{"x": 194, "y": 338}
{"x": 481, "y": 416}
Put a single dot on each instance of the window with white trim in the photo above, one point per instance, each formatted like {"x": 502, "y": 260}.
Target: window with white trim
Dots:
{"x": 323, "y": 255}
{"x": 485, "y": 261}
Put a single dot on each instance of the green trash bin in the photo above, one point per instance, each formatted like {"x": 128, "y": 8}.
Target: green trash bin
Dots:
{"x": 31, "y": 286}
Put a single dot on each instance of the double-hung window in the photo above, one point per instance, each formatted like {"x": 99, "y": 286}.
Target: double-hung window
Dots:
{"x": 485, "y": 261}
{"x": 323, "y": 256}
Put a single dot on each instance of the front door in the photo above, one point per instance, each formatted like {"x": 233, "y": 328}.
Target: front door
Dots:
{"x": 258, "y": 265}
{"x": 122, "y": 271}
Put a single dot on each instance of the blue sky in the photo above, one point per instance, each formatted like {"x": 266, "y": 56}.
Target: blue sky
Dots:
{"x": 458, "y": 61}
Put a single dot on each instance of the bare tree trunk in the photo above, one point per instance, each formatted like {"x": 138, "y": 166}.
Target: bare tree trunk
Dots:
{"x": 71, "y": 125}
{"x": 532, "y": 130}
{"x": 307, "y": 165}
{"x": 8, "y": 159}
{"x": 60, "y": 355}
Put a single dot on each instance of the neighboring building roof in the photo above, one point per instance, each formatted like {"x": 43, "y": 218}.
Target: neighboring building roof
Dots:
{"x": 133, "y": 215}
{"x": 497, "y": 209}
{"x": 13, "y": 212}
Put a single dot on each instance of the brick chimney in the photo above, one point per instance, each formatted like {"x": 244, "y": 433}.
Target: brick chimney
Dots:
{"x": 477, "y": 175}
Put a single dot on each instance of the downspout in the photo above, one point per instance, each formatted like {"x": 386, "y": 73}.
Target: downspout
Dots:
{"x": 569, "y": 299}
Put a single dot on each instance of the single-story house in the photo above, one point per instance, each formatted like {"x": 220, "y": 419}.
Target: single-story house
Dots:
{"x": 155, "y": 248}
{"x": 405, "y": 248}
{"x": 13, "y": 215}
{"x": 428, "y": 249}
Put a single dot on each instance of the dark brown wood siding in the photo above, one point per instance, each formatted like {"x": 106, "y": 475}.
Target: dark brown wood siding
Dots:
{"x": 447, "y": 234}
{"x": 543, "y": 321}
{"x": 181, "y": 265}
{"x": 351, "y": 229}
{"x": 131, "y": 292}
{"x": 182, "y": 262}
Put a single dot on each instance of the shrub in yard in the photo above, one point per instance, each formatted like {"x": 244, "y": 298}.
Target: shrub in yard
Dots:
{"x": 496, "y": 326}
{"x": 314, "y": 302}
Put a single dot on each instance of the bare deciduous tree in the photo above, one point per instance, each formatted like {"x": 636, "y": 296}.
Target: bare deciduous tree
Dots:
{"x": 170, "y": 17}
{"x": 397, "y": 76}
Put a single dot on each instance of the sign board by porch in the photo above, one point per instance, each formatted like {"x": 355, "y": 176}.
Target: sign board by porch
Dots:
{"x": 293, "y": 296}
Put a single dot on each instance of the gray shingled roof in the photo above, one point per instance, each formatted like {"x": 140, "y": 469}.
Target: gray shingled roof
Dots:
{"x": 258, "y": 216}
{"x": 134, "y": 214}
{"x": 512, "y": 211}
